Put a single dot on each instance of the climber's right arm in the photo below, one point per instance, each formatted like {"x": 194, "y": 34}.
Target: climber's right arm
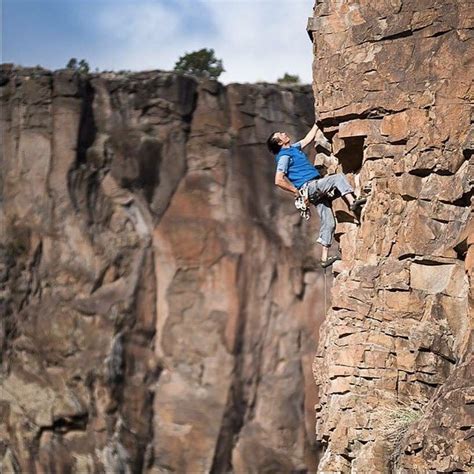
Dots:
{"x": 284, "y": 183}
{"x": 281, "y": 172}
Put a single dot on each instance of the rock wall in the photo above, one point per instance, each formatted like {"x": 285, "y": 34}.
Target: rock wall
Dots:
{"x": 159, "y": 298}
{"x": 393, "y": 81}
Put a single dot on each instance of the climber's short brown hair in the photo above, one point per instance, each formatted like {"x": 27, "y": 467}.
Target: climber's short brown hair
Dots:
{"x": 273, "y": 143}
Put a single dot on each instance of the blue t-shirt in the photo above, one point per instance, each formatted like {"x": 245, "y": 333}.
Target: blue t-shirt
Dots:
{"x": 295, "y": 164}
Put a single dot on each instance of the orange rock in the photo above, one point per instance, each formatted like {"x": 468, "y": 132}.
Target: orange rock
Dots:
{"x": 398, "y": 82}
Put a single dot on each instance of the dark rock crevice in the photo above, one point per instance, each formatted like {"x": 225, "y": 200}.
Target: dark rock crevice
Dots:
{"x": 236, "y": 408}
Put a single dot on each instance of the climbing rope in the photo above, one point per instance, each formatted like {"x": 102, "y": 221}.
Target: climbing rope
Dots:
{"x": 325, "y": 292}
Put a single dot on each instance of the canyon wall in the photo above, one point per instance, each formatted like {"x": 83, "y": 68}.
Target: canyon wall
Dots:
{"x": 393, "y": 82}
{"x": 160, "y": 303}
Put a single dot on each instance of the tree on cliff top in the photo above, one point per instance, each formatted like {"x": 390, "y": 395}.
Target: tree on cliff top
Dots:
{"x": 289, "y": 79}
{"x": 82, "y": 67}
{"x": 202, "y": 63}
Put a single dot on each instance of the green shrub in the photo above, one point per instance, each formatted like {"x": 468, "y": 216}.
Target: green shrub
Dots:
{"x": 202, "y": 63}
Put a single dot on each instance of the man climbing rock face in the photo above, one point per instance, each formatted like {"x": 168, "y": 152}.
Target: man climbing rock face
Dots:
{"x": 294, "y": 173}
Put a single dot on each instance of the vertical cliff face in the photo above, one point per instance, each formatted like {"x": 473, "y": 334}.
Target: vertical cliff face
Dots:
{"x": 393, "y": 85}
{"x": 159, "y": 295}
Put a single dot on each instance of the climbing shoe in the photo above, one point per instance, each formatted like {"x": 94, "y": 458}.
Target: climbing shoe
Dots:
{"x": 329, "y": 261}
{"x": 358, "y": 203}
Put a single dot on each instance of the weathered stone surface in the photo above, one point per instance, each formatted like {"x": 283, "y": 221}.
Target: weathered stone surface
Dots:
{"x": 393, "y": 85}
{"x": 159, "y": 299}
{"x": 441, "y": 440}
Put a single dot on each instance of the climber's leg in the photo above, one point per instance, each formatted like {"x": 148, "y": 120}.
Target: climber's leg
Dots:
{"x": 324, "y": 253}
{"x": 348, "y": 199}
{"x": 337, "y": 181}
{"x": 328, "y": 223}
{"x": 326, "y": 231}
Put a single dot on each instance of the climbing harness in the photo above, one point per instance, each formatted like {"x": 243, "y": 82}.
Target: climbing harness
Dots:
{"x": 303, "y": 199}
{"x": 301, "y": 202}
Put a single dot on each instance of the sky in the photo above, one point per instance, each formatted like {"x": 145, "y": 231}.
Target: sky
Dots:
{"x": 258, "y": 40}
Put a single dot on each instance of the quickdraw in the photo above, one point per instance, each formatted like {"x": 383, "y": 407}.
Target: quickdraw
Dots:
{"x": 302, "y": 201}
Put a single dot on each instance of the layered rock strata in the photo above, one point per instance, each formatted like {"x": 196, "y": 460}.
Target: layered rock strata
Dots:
{"x": 393, "y": 82}
{"x": 159, "y": 298}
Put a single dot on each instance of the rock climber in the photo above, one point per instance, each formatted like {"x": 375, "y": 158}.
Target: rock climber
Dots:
{"x": 294, "y": 173}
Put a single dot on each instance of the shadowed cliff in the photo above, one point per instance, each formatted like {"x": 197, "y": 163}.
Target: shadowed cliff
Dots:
{"x": 159, "y": 294}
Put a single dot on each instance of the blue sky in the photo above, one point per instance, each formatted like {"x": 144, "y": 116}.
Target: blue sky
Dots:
{"x": 258, "y": 40}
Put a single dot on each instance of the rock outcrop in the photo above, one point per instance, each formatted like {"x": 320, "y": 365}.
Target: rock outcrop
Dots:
{"x": 159, "y": 299}
{"x": 393, "y": 82}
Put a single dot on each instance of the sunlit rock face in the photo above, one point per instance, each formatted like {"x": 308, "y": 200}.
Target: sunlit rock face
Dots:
{"x": 393, "y": 89}
{"x": 159, "y": 295}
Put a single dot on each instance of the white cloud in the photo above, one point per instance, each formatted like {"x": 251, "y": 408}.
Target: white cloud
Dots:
{"x": 146, "y": 21}
{"x": 257, "y": 40}
{"x": 263, "y": 40}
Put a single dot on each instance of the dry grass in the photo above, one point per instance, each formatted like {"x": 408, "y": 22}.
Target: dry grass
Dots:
{"x": 394, "y": 420}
